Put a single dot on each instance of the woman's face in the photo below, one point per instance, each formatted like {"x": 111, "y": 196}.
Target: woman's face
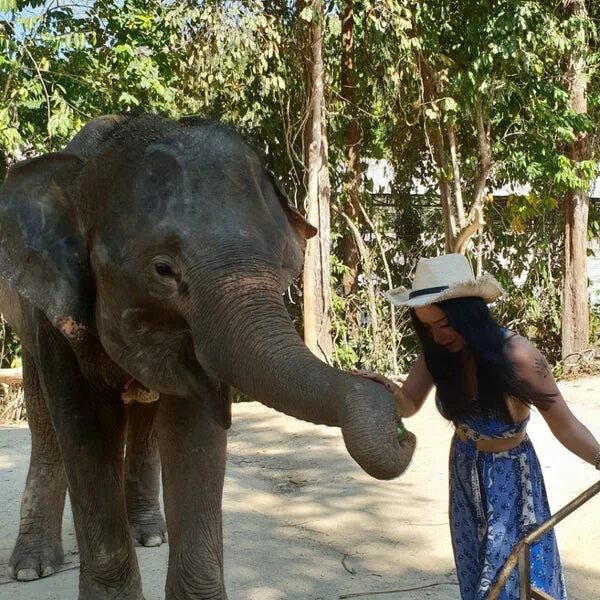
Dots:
{"x": 435, "y": 321}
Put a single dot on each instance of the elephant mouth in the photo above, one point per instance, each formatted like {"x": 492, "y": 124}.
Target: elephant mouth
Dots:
{"x": 134, "y": 391}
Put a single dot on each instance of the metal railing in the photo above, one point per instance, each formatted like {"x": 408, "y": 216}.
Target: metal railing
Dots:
{"x": 521, "y": 554}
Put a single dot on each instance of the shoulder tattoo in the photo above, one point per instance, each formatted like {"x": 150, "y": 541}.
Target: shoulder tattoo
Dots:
{"x": 541, "y": 366}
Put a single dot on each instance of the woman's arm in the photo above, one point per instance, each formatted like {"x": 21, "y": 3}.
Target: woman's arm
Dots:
{"x": 531, "y": 366}
{"x": 412, "y": 394}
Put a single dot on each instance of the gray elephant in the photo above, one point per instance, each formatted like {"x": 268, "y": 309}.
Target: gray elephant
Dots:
{"x": 148, "y": 262}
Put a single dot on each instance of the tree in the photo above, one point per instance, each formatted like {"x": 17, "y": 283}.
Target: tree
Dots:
{"x": 352, "y": 188}
{"x": 575, "y": 316}
{"x": 439, "y": 104}
{"x": 316, "y": 291}
{"x": 455, "y": 98}
{"x": 493, "y": 111}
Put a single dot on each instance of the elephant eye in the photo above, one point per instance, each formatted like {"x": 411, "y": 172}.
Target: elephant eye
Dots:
{"x": 164, "y": 269}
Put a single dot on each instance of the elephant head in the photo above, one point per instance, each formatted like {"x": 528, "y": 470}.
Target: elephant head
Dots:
{"x": 173, "y": 245}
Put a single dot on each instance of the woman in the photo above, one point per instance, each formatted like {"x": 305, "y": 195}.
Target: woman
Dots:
{"x": 487, "y": 378}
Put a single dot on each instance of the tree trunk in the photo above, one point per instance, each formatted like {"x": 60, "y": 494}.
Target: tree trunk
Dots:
{"x": 3, "y": 165}
{"x": 317, "y": 301}
{"x": 474, "y": 222}
{"x": 350, "y": 252}
{"x": 439, "y": 152}
{"x": 458, "y": 228}
{"x": 575, "y": 317}
{"x": 365, "y": 258}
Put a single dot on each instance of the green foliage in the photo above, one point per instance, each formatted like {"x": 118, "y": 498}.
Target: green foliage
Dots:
{"x": 10, "y": 349}
{"x": 595, "y": 326}
{"x": 524, "y": 248}
{"x": 245, "y": 62}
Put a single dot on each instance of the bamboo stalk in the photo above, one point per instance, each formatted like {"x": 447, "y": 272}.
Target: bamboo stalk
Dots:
{"x": 511, "y": 561}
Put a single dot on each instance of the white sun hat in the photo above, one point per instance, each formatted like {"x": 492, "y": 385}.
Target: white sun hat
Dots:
{"x": 442, "y": 278}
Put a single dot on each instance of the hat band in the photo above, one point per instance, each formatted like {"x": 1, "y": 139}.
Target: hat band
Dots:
{"x": 425, "y": 291}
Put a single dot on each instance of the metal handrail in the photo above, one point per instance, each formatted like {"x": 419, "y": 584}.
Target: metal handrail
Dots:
{"x": 521, "y": 552}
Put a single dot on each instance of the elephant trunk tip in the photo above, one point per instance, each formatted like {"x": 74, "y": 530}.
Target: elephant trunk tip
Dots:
{"x": 369, "y": 428}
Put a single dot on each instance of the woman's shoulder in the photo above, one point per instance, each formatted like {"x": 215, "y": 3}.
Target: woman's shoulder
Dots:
{"x": 520, "y": 351}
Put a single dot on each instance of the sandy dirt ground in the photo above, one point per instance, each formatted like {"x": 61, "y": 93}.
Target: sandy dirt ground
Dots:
{"x": 302, "y": 521}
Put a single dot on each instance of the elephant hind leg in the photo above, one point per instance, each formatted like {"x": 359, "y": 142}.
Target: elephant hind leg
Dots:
{"x": 38, "y": 551}
{"x": 142, "y": 477}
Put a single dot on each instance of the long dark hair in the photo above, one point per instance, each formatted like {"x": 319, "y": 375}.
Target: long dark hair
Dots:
{"x": 496, "y": 378}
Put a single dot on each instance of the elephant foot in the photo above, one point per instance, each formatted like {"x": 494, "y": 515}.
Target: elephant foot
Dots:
{"x": 34, "y": 557}
{"x": 110, "y": 576}
{"x": 91, "y": 590}
{"x": 185, "y": 593}
{"x": 147, "y": 527}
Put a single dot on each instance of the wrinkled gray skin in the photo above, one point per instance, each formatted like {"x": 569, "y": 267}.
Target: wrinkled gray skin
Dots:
{"x": 38, "y": 551}
{"x": 157, "y": 251}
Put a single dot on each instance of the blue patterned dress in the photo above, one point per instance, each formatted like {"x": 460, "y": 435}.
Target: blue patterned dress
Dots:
{"x": 496, "y": 498}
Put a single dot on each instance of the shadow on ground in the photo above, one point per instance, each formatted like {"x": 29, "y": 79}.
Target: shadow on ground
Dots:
{"x": 302, "y": 521}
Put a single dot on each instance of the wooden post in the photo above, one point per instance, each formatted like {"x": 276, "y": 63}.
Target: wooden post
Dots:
{"x": 11, "y": 376}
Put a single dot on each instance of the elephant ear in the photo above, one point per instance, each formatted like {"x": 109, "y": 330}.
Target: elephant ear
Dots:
{"x": 302, "y": 227}
{"x": 43, "y": 255}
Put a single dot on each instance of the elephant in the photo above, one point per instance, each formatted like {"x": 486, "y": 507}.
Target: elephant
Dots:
{"x": 144, "y": 268}
{"x": 34, "y": 554}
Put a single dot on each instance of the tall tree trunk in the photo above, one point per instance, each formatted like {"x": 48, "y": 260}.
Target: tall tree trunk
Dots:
{"x": 438, "y": 150}
{"x": 575, "y": 317}
{"x": 350, "y": 252}
{"x": 459, "y": 228}
{"x": 317, "y": 300}
{"x": 474, "y": 222}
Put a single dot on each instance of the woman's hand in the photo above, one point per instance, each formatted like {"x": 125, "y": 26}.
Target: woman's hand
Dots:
{"x": 389, "y": 385}
{"x": 415, "y": 387}
{"x": 396, "y": 392}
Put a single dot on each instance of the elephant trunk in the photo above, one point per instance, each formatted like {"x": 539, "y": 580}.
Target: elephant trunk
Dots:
{"x": 249, "y": 342}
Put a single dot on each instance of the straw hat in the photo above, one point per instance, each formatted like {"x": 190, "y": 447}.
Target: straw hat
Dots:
{"x": 442, "y": 278}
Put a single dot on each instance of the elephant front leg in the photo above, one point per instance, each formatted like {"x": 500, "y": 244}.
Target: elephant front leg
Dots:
{"x": 142, "y": 477}
{"x": 90, "y": 427}
{"x": 192, "y": 448}
{"x": 38, "y": 551}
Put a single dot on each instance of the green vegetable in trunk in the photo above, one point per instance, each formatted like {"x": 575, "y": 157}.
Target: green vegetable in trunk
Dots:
{"x": 401, "y": 431}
